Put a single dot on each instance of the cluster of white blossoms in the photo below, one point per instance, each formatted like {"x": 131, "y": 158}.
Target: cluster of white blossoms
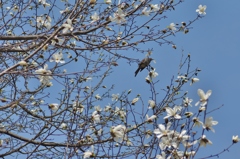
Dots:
{"x": 171, "y": 138}
{"x": 44, "y": 21}
{"x": 201, "y": 11}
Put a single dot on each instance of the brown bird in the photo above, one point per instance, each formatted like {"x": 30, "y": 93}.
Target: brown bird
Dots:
{"x": 144, "y": 63}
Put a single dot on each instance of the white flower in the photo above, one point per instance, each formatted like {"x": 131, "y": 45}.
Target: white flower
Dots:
{"x": 201, "y": 9}
{"x": 182, "y": 137}
{"x": 145, "y": 11}
{"x": 167, "y": 142}
{"x": 97, "y": 96}
{"x": 187, "y": 102}
{"x": 57, "y": 57}
{"x": 204, "y": 141}
{"x": 147, "y": 79}
{"x": 98, "y": 108}
{"x": 108, "y": 1}
{"x": 118, "y": 132}
{"x": 118, "y": 16}
{"x": 197, "y": 122}
{"x": 43, "y": 2}
{"x": 152, "y": 104}
{"x": 150, "y": 119}
{"x": 34, "y": 111}
{"x": 172, "y": 113}
{"x": 163, "y": 156}
{"x": 162, "y": 130}
{"x": 129, "y": 143}
{"x": 44, "y": 70}
{"x": 53, "y": 106}
{"x": 153, "y": 74}
{"x": 209, "y": 123}
{"x": 203, "y": 97}
{"x": 134, "y": 101}
{"x": 115, "y": 97}
{"x": 235, "y": 139}
{"x": 120, "y": 113}
{"x": 46, "y": 22}
{"x": 94, "y": 17}
{"x": 64, "y": 126}
{"x": 154, "y": 7}
{"x": 64, "y": 11}
{"x": 189, "y": 144}
{"x": 194, "y": 80}
{"x": 89, "y": 153}
{"x": 95, "y": 117}
{"x": 107, "y": 108}
{"x": 15, "y": 8}
{"x": 23, "y": 63}
{"x": 78, "y": 106}
{"x": 45, "y": 76}
{"x": 172, "y": 27}
{"x": 67, "y": 26}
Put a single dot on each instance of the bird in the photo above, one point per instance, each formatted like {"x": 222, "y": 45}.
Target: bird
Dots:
{"x": 144, "y": 63}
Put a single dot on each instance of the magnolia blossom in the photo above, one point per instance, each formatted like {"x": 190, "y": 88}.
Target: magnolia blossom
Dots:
{"x": 64, "y": 126}
{"x": 173, "y": 112}
{"x": 209, "y": 123}
{"x": 44, "y": 3}
{"x": 135, "y": 100}
{"x": 203, "y": 97}
{"x": 89, "y": 153}
{"x": 120, "y": 113}
{"x": 108, "y": 1}
{"x": 44, "y": 70}
{"x": 201, "y": 9}
{"x": 153, "y": 73}
{"x": 98, "y": 108}
{"x": 163, "y": 156}
{"x": 182, "y": 137}
{"x": 152, "y": 104}
{"x": 197, "y": 122}
{"x": 67, "y": 26}
{"x": 45, "y": 74}
{"x": 189, "y": 144}
{"x": 95, "y": 17}
{"x": 97, "y": 96}
{"x": 118, "y": 16}
{"x": 53, "y": 106}
{"x": 64, "y": 11}
{"x": 194, "y": 80}
{"x": 150, "y": 119}
{"x": 235, "y": 139}
{"x": 115, "y": 97}
{"x": 44, "y": 21}
{"x": 154, "y": 7}
{"x": 78, "y": 106}
{"x": 95, "y": 117}
{"x": 168, "y": 142}
{"x": 172, "y": 27}
{"x": 162, "y": 130}
{"x": 204, "y": 141}
{"x": 57, "y": 57}
{"x": 107, "y": 108}
{"x": 145, "y": 11}
{"x": 118, "y": 132}
{"x": 187, "y": 102}
{"x": 23, "y": 63}
{"x": 147, "y": 79}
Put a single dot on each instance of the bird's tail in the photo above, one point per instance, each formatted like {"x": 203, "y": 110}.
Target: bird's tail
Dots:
{"x": 136, "y": 72}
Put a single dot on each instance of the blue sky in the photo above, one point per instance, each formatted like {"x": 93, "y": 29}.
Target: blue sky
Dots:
{"x": 214, "y": 47}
